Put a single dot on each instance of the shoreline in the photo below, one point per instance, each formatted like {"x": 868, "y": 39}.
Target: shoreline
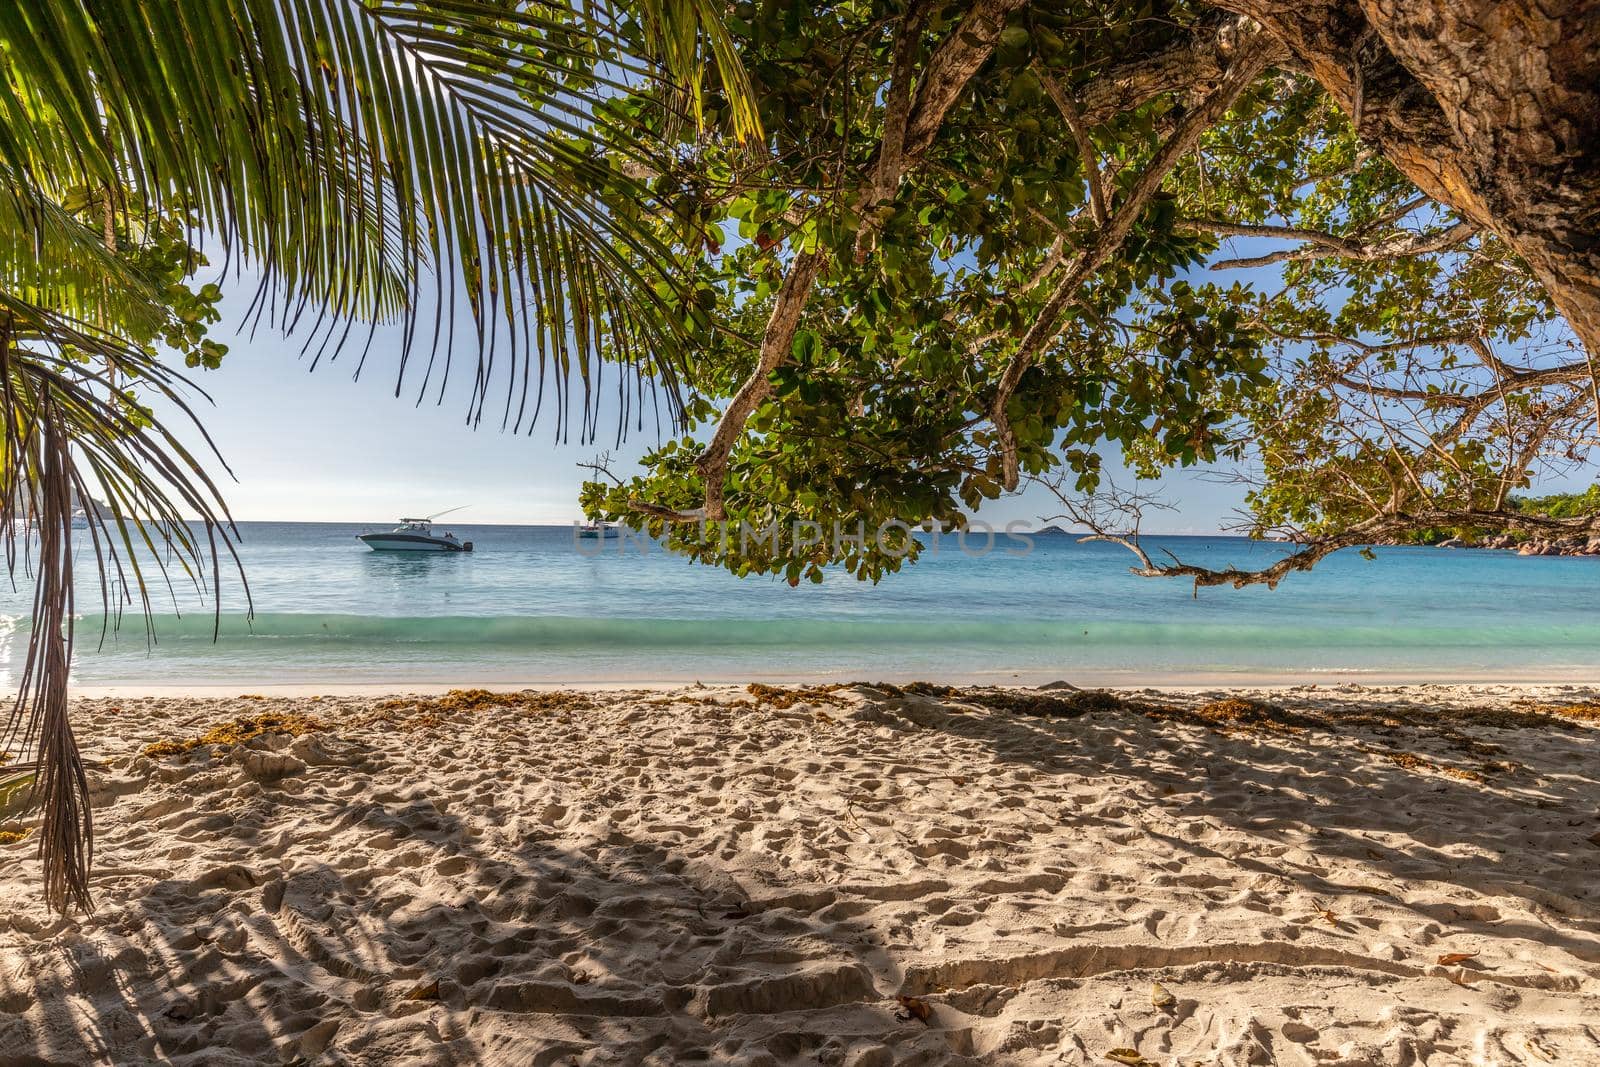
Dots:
{"x": 1329, "y": 679}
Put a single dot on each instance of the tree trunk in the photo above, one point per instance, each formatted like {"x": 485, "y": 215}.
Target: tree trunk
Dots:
{"x": 1489, "y": 106}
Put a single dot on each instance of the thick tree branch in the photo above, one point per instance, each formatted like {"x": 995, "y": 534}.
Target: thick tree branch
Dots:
{"x": 951, "y": 67}
{"x": 896, "y": 115}
{"x": 946, "y": 74}
{"x": 1193, "y": 64}
{"x": 670, "y": 514}
{"x": 1489, "y": 106}
{"x": 776, "y": 345}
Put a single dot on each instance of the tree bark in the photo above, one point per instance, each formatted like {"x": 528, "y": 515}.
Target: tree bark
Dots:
{"x": 1490, "y": 106}
{"x": 945, "y": 77}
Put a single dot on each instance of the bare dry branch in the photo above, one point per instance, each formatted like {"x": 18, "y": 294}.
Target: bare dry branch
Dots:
{"x": 1320, "y": 245}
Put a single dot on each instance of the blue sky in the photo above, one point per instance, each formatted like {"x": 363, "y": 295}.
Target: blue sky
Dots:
{"x": 324, "y": 447}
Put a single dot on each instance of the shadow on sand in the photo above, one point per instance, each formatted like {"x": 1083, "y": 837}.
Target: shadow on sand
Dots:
{"x": 484, "y": 928}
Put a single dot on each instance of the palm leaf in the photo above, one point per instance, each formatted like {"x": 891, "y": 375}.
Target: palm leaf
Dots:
{"x": 50, "y": 258}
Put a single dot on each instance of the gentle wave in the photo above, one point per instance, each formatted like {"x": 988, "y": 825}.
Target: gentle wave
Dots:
{"x": 617, "y": 635}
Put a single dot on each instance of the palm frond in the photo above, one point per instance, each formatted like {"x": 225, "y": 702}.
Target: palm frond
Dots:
{"x": 50, "y": 258}
{"x": 463, "y": 148}
{"x": 73, "y": 433}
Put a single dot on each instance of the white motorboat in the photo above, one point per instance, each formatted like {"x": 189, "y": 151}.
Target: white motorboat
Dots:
{"x": 599, "y": 530}
{"x": 415, "y": 535}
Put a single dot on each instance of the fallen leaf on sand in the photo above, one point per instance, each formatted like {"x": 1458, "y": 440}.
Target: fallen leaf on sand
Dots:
{"x": 1450, "y": 959}
{"x": 915, "y": 1008}
{"x": 1129, "y": 1056}
{"x": 1161, "y": 996}
{"x": 16, "y": 791}
{"x": 427, "y": 991}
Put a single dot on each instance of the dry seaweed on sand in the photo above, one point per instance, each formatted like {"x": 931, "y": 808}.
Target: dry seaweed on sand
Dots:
{"x": 780, "y": 697}
{"x": 916, "y": 689}
{"x": 1051, "y": 705}
{"x": 1236, "y": 715}
{"x": 1229, "y": 715}
{"x": 240, "y": 730}
{"x": 1413, "y": 762}
{"x": 1017, "y": 701}
{"x": 458, "y": 700}
{"x": 405, "y": 712}
{"x": 1587, "y": 711}
{"x": 762, "y": 696}
{"x": 1247, "y": 716}
{"x": 420, "y": 712}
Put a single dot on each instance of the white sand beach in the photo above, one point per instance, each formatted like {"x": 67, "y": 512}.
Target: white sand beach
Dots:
{"x": 854, "y": 875}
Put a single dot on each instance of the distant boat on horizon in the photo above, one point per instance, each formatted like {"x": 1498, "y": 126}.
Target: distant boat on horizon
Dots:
{"x": 599, "y": 530}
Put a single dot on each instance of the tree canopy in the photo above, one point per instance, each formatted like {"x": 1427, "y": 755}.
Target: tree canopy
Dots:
{"x": 1148, "y": 228}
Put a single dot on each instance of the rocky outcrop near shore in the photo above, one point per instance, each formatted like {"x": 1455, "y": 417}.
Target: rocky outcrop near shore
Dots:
{"x": 1535, "y": 547}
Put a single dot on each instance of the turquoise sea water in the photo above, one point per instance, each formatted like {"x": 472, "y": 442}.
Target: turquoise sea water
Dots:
{"x": 529, "y": 606}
